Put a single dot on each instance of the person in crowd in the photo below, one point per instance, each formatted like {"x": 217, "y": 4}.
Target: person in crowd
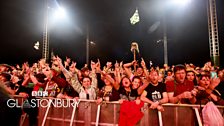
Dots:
{"x": 7, "y": 84}
{"x": 155, "y": 93}
{"x": 165, "y": 69}
{"x": 179, "y": 90}
{"x": 207, "y": 66}
{"x": 26, "y": 87}
{"x": 169, "y": 76}
{"x": 126, "y": 91}
{"x": 5, "y": 68}
{"x": 68, "y": 91}
{"x": 136, "y": 81}
{"x": 126, "y": 88}
{"x": 5, "y": 77}
{"x": 8, "y": 116}
{"x": 85, "y": 89}
{"x": 139, "y": 71}
{"x": 206, "y": 91}
{"x": 50, "y": 86}
{"x": 161, "y": 75}
{"x": 220, "y": 87}
{"x": 191, "y": 76}
{"x": 107, "y": 92}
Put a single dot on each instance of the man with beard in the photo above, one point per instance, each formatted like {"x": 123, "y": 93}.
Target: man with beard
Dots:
{"x": 155, "y": 93}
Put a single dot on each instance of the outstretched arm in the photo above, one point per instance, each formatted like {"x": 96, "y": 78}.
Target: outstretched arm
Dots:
{"x": 127, "y": 68}
{"x": 73, "y": 80}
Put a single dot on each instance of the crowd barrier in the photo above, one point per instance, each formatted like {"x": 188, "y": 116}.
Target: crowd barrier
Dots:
{"x": 88, "y": 113}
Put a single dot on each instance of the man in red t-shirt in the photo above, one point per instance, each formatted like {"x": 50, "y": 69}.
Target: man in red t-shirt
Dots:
{"x": 179, "y": 90}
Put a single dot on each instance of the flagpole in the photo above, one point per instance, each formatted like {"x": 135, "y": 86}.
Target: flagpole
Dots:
{"x": 134, "y": 59}
{"x": 87, "y": 45}
{"x": 165, "y": 40}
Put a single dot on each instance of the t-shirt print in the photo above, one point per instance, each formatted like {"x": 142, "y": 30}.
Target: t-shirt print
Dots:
{"x": 156, "y": 96}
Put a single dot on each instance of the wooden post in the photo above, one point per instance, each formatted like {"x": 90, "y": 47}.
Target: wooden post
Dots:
{"x": 134, "y": 48}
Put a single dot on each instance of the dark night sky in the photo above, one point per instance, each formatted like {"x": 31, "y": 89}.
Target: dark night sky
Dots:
{"x": 22, "y": 24}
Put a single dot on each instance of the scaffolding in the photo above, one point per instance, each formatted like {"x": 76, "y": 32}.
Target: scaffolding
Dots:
{"x": 45, "y": 51}
{"x": 213, "y": 32}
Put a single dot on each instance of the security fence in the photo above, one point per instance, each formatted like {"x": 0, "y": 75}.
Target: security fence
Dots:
{"x": 87, "y": 113}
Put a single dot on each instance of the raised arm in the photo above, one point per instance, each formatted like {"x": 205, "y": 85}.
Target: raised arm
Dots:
{"x": 142, "y": 88}
{"x": 127, "y": 68}
{"x": 117, "y": 73}
{"x": 35, "y": 81}
{"x": 145, "y": 70}
{"x": 72, "y": 79}
{"x": 26, "y": 79}
{"x": 93, "y": 74}
{"x": 109, "y": 78}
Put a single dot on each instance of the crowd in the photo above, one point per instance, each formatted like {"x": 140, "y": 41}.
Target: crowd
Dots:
{"x": 134, "y": 81}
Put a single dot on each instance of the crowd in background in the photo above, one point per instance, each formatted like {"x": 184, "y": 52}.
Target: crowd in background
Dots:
{"x": 133, "y": 81}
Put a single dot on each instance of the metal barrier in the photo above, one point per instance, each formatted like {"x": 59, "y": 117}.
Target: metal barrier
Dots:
{"x": 88, "y": 113}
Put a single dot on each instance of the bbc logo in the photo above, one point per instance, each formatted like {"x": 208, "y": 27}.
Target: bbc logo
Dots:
{"x": 39, "y": 93}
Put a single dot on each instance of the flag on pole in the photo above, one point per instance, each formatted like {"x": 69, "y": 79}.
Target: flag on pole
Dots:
{"x": 36, "y": 45}
{"x": 135, "y": 17}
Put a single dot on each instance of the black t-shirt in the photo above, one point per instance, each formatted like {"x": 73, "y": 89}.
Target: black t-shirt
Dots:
{"x": 131, "y": 96}
{"x": 113, "y": 95}
{"x": 154, "y": 93}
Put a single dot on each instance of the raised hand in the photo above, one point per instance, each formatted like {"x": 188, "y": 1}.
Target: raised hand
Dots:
{"x": 116, "y": 65}
{"x": 109, "y": 65}
{"x": 93, "y": 65}
{"x": 98, "y": 66}
{"x": 134, "y": 62}
{"x": 17, "y": 66}
{"x": 73, "y": 66}
{"x": 143, "y": 63}
{"x": 214, "y": 82}
{"x": 121, "y": 64}
{"x": 59, "y": 61}
{"x": 67, "y": 61}
{"x": 54, "y": 58}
